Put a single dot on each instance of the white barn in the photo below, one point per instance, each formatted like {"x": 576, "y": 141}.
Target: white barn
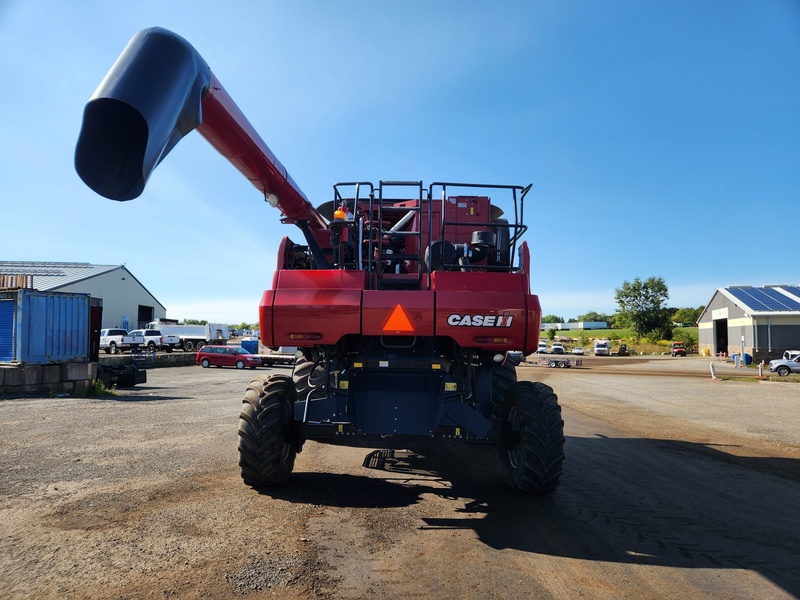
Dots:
{"x": 126, "y": 302}
{"x": 764, "y": 320}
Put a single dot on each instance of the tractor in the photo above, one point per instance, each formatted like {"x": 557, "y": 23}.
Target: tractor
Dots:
{"x": 403, "y": 299}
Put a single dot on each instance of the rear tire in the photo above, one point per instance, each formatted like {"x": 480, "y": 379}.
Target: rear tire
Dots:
{"x": 503, "y": 377}
{"x": 112, "y": 348}
{"x": 533, "y": 438}
{"x": 188, "y": 345}
{"x": 151, "y": 347}
{"x": 266, "y": 445}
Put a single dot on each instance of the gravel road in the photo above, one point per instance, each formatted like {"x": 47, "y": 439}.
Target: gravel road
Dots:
{"x": 675, "y": 486}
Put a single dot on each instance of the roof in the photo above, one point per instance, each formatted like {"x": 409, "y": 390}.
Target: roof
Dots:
{"x": 49, "y": 276}
{"x": 767, "y": 300}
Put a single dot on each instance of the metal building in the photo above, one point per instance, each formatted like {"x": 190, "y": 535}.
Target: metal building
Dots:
{"x": 761, "y": 321}
{"x": 127, "y": 304}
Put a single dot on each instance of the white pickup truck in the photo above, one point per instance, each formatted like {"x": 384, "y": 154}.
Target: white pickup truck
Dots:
{"x": 151, "y": 340}
{"x": 113, "y": 341}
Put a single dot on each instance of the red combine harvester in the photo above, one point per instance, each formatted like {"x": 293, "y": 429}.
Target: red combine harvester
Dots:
{"x": 404, "y": 300}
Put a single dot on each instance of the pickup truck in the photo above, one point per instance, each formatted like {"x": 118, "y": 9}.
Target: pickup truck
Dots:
{"x": 111, "y": 340}
{"x": 602, "y": 348}
{"x": 152, "y": 340}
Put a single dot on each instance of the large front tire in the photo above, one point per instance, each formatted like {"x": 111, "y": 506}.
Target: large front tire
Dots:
{"x": 533, "y": 438}
{"x": 266, "y": 446}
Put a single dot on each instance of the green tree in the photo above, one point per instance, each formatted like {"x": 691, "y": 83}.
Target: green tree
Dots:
{"x": 687, "y": 315}
{"x": 552, "y": 319}
{"x": 194, "y": 322}
{"x": 642, "y": 307}
{"x": 688, "y": 338}
{"x": 584, "y": 340}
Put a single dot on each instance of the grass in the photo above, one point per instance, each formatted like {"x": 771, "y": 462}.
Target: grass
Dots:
{"x": 584, "y": 339}
{"x": 96, "y": 389}
{"x": 756, "y": 378}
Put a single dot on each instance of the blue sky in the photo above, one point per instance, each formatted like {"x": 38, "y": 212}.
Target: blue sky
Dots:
{"x": 662, "y": 138}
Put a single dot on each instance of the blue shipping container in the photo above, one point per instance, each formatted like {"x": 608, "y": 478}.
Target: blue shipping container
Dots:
{"x": 6, "y": 327}
{"x": 50, "y": 327}
{"x": 250, "y": 346}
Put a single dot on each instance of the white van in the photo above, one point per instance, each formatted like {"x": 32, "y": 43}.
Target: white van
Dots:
{"x": 602, "y": 348}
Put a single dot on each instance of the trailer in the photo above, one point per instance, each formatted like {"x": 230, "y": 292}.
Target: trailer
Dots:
{"x": 192, "y": 337}
{"x": 561, "y": 362}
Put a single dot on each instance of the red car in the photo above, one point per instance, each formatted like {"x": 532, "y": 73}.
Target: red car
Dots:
{"x": 226, "y": 356}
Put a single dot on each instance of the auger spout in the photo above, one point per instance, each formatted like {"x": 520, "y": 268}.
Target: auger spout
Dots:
{"x": 158, "y": 91}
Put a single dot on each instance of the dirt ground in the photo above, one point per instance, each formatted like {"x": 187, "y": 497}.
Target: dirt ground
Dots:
{"x": 675, "y": 486}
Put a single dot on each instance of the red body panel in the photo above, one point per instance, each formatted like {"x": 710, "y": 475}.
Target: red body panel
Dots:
{"x": 467, "y": 307}
{"x": 477, "y": 305}
{"x": 326, "y": 303}
{"x": 416, "y": 316}
{"x": 472, "y": 211}
{"x": 534, "y": 323}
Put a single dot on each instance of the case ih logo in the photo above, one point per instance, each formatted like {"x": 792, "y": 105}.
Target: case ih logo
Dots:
{"x": 456, "y": 320}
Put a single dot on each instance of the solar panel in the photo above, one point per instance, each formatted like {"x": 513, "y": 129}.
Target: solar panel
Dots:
{"x": 764, "y": 299}
{"x": 792, "y": 289}
{"x": 779, "y": 301}
{"x": 745, "y": 296}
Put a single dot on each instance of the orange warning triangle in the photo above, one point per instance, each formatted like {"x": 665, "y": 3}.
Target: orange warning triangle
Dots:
{"x": 398, "y": 321}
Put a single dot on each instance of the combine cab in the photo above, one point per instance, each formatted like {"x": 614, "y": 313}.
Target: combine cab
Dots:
{"x": 402, "y": 298}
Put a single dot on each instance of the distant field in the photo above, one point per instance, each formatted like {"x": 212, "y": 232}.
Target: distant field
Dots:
{"x": 610, "y": 334}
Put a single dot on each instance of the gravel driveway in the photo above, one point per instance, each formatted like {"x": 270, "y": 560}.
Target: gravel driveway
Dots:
{"x": 674, "y": 486}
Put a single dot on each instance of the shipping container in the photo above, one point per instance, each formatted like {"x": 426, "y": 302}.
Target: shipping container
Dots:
{"x": 43, "y": 327}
